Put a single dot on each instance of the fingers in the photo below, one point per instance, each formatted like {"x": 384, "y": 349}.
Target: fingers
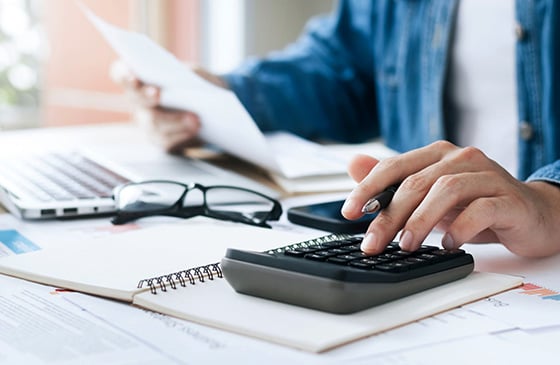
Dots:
{"x": 148, "y": 95}
{"x": 460, "y": 190}
{"x": 391, "y": 171}
{"x": 523, "y": 218}
{"x": 446, "y": 194}
{"x": 471, "y": 225}
{"x": 360, "y": 166}
{"x": 180, "y": 142}
{"x": 142, "y": 94}
{"x": 120, "y": 73}
{"x": 176, "y": 130}
{"x": 450, "y": 179}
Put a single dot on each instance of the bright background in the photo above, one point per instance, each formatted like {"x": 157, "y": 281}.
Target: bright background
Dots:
{"x": 54, "y": 66}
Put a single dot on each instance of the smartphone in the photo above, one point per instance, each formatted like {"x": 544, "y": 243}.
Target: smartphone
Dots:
{"x": 327, "y": 217}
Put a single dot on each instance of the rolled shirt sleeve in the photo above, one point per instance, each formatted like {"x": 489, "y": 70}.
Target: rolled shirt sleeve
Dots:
{"x": 320, "y": 87}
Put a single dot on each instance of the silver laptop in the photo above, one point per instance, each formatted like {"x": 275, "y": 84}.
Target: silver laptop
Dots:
{"x": 64, "y": 183}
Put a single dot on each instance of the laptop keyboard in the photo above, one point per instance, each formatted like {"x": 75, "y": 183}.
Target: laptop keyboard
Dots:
{"x": 58, "y": 177}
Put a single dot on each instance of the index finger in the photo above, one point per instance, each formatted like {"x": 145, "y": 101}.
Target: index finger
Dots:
{"x": 122, "y": 75}
{"x": 391, "y": 171}
{"x": 360, "y": 166}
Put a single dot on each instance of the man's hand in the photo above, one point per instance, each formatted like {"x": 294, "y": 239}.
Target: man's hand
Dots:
{"x": 174, "y": 129}
{"x": 459, "y": 191}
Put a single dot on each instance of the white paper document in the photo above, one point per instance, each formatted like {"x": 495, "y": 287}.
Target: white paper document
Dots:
{"x": 45, "y": 326}
{"x": 40, "y": 327}
{"x": 225, "y": 122}
{"x": 312, "y": 330}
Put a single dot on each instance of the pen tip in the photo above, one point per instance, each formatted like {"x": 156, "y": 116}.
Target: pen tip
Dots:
{"x": 371, "y": 206}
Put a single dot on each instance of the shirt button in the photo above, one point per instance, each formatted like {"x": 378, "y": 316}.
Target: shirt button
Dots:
{"x": 519, "y": 32}
{"x": 525, "y": 131}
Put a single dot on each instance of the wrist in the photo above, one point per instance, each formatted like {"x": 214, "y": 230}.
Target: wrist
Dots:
{"x": 547, "y": 200}
{"x": 548, "y": 189}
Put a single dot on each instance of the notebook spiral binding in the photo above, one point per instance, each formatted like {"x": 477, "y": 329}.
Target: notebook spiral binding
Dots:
{"x": 211, "y": 271}
{"x": 181, "y": 277}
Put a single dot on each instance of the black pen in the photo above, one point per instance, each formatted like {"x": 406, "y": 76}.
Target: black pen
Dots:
{"x": 380, "y": 201}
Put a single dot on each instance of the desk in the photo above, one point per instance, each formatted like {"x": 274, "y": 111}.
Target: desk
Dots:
{"x": 117, "y": 333}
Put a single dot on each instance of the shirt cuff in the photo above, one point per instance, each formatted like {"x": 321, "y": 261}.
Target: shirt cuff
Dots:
{"x": 549, "y": 173}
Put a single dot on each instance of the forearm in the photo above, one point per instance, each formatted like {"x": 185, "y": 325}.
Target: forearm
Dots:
{"x": 547, "y": 230}
{"x": 322, "y": 86}
{"x": 279, "y": 96}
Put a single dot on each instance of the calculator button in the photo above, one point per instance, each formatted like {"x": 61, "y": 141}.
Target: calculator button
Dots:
{"x": 415, "y": 262}
{"x": 396, "y": 266}
{"x": 392, "y": 247}
{"x": 332, "y": 244}
{"x": 299, "y": 252}
{"x": 339, "y": 251}
{"x": 427, "y": 256}
{"x": 359, "y": 255}
{"x": 349, "y": 241}
{"x": 315, "y": 257}
{"x": 294, "y": 253}
{"x": 361, "y": 265}
{"x": 425, "y": 249}
{"x": 374, "y": 260}
{"x": 347, "y": 257}
{"x": 338, "y": 260}
{"x": 388, "y": 256}
{"x": 447, "y": 254}
{"x": 402, "y": 253}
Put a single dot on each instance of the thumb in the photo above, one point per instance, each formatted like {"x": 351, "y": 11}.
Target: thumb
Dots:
{"x": 360, "y": 166}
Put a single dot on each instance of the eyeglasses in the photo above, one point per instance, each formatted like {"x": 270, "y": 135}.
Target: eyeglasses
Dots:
{"x": 170, "y": 198}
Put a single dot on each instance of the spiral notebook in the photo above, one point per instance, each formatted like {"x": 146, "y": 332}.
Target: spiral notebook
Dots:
{"x": 173, "y": 269}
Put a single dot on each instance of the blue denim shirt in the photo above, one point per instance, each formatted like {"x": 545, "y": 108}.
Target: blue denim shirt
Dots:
{"x": 377, "y": 69}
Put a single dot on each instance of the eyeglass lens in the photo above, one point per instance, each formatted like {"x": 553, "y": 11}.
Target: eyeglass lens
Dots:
{"x": 159, "y": 196}
{"x": 148, "y": 197}
{"x": 225, "y": 199}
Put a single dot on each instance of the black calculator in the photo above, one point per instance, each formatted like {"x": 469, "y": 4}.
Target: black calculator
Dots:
{"x": 332, "y": 274}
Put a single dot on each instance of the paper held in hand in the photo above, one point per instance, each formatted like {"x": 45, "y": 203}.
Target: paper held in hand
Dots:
{"x": 296, "y": 164}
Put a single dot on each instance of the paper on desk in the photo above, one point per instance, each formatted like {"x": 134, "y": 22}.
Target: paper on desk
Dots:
{"x": 448, "y": 326}
{"x": 536, "y": 304}
{"x": 529, "y": 307}
{"x": 484, "y": 349}
{"x": 40, "y": 327}
{"x": 225, "y": 122}
{"x": 339, "y": 155}
{"x": 312, "y": 330}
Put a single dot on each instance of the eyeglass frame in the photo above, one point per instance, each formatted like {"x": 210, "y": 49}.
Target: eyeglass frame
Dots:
{"x": 178, "y": 210}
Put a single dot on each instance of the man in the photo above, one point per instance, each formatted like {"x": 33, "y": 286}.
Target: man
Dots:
{"x": 417, "y": 74}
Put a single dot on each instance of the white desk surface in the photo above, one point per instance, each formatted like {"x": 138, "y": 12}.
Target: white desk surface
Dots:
{"x": 118, "y": 333}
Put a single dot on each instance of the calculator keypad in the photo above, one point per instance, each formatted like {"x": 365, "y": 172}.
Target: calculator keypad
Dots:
{"x": 332, "y": 274}
{"x": 347, "y": 252}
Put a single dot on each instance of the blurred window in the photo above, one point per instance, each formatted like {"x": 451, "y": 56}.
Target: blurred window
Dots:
{"x": 21, "y": 52}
